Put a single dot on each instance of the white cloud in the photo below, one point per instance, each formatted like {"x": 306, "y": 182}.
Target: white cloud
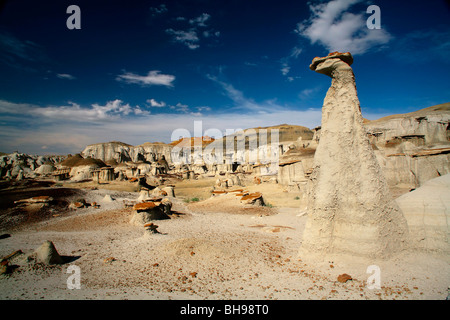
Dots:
{"x": 97, "y": 112}
{"x": 152, "y": 78}
{"x": 180, "y": 107}
{"x": 333, "y": 27}
{"x": 188, "y": 38}
{"x": 231, "y": 92}
{"x": 156, "y": 104}
{"x": 21, "y": 54}
{"x": 139, "y": 112}
{"x": 211, "y": 33}
{"x": 307, "y": 93}
{"x": 191, "y": 36}
{"x": 158, "y": 10}
{"x": 200, "y": 20}
{"x": 65, "y": 76}
{"x": 285, "y": 69}
{"x": 63, "y": 135}
{"x": 185, "y": 109}
{"x": 73, "y": 112}
{"x": 241, "y": 102}
{"x": 295, "y": 52}
{"x": 204, "y": 108}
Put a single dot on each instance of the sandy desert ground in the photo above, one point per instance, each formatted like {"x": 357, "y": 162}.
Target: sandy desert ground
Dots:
{"x": 211, "y": 249}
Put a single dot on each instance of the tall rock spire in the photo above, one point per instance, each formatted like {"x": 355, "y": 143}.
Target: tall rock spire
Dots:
{"x": 350, "y": 209}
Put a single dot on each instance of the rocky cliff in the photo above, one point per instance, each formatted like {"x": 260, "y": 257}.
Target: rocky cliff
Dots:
{"x": 20, "y": 165}
{"x": 425, "y": 127}
{"x": 122, "y": 152}
{"x": 411, "y": 148}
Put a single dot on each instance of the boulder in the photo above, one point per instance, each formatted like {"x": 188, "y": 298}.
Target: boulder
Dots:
{"x": 343, "y": 278}
{"x": 169, "y": 191}
{"x": 95, "y": 205}
{"x": 157, "y": 192}
{"x": 167, "y": 204}
{"x": 146, "y": 212}
{"x": 143, "y": 194}
{"x": 78, "y": 204}
{"x": 253, "y": 198}
{"x": 107, "y": 198}
{"x": 48, "y": 254}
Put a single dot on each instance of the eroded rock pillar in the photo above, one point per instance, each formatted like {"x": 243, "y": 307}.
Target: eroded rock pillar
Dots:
{"x": 350, "y": 209}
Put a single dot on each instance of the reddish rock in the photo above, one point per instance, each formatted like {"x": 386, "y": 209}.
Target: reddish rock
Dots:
{"x": 95, "y": 205}
{"x": 109, "y": 260}
{"x": 5, "y": 267}
{"x": 78, "y": 204}
{"x": 38, "y": 199}
{"x": 154, "y": 199}
{"x": 218, "y": 192}
{"x": 148, "y": 211}
{"x": 253, "y": 198}
{"x": 151, "y": 227}
{"x": 144, "y": 206}
{"x": 343, "y": 278}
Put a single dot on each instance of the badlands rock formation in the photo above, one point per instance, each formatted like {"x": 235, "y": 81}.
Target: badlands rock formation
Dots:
{"x": 410, "y": 148}
{"x": 350, "y": 208}
{"x": 413, "y": 148}
{"x": 122, "y": 152}
{"x": 48, "y": 254}
{"x": 30, "y": 165}
{"x": 254, "y": 144}
{"x": 427, "y": 210}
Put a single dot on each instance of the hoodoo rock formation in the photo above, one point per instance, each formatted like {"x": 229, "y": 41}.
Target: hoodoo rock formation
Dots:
{"x": 350, "y": 209}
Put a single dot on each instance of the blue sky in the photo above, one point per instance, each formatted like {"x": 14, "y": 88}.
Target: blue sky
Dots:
{"x": 138, "y": 70}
